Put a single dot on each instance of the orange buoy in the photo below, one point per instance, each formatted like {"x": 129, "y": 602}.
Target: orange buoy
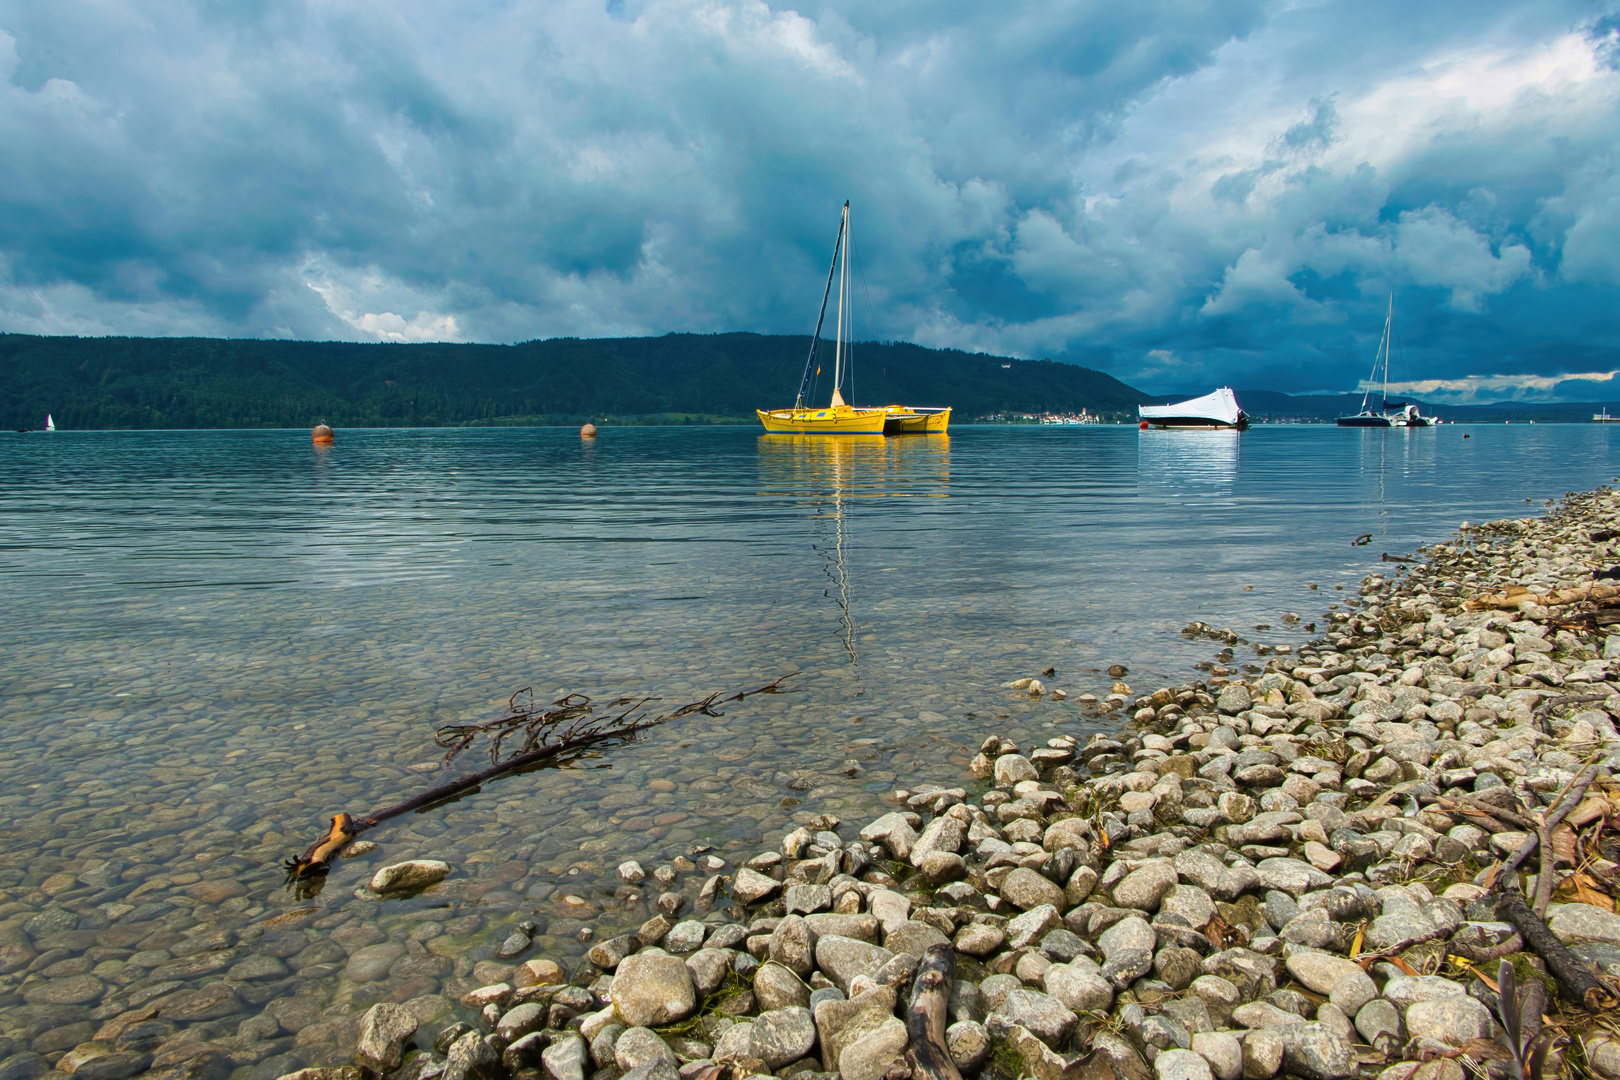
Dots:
{"x": 1143, "y": 425}
{"x": 587, "y": 431}
{"x": 322, "y": 435}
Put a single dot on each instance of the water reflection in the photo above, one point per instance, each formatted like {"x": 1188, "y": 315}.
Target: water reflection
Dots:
{"x": 825, "y": 472}
{"x": 855, "y": 466}
{"x": 1189, "y": 457}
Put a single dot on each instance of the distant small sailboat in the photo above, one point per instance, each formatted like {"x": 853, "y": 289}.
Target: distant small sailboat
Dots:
{"x": 50, "y": 425}
{"x": 1406, "y": 416}
{"x": 1217, "y": 410}
{"x": 1604, "y": 417}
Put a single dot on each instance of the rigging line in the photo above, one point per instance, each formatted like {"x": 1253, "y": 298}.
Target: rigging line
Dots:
{"x": 815, "y": 338}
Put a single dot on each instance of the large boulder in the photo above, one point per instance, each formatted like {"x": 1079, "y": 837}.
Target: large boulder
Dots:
{"x": 653, "y": 988}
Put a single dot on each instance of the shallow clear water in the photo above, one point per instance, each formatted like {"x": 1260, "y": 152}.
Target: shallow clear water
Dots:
{"x": 214, "y": 639}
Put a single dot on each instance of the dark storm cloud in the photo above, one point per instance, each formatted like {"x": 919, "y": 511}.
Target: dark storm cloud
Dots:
{"x": 1184, "y": 192}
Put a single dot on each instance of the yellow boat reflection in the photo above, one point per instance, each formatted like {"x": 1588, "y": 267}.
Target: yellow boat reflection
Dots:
{"x": 855, "y": 466}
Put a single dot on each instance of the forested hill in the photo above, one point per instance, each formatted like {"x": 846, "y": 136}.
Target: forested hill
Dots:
{"x": 207, "y": 382}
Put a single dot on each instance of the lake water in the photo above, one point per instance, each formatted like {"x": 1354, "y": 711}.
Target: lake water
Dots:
{"x": 213, "y": 640}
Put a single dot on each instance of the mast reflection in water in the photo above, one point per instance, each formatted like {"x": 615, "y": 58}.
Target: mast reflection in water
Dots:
{"x": 826, "y": 473}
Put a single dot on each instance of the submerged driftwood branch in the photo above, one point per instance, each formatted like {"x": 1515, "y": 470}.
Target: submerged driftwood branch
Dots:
{"x": 550, "y": 734}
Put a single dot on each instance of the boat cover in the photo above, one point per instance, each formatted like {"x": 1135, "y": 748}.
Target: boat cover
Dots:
{"x": 1221, "y": 406}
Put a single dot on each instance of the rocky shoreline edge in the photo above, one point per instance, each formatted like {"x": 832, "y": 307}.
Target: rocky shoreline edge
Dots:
{"x": 1282, "y": 870}
{"x": 1279, "y": 874}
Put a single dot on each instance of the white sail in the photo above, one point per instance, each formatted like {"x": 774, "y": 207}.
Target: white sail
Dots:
{"x": 50, "y": 425}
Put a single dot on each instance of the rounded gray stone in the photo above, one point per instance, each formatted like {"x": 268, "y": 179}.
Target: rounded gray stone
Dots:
{"x": 638, "y": 1046}
{"x": 968, "y": 1044}
{"x": 1044, "y": 1016}
{"x": 913, "y": 938}
{"x": 652, "y": 989}
{"x": 1145, "y": 886}
{"x": 1026, "y": 889}
{"x": 408, "y": 876}
{"x": 1452, "y": 1020}
{"x": 780, "y": 1036}
{"x": 1181, "y": 1065}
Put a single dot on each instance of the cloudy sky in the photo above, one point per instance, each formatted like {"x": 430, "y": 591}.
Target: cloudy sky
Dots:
{"x": 1180, "y": 192}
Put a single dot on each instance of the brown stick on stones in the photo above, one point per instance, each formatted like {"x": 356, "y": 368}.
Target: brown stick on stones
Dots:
{"x": 1514, "y": 595}
{"x": 925, "y": 1018}
{"x": 570, "y": 727}
{"x": 1574, "y": 982}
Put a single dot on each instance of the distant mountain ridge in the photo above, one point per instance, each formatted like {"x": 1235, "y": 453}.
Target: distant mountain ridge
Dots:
{"x": 1263, "y": 403}
{"x": 118, "y": 382}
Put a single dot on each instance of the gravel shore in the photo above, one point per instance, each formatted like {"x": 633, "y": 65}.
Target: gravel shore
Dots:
{"x": 1282, "y": 870}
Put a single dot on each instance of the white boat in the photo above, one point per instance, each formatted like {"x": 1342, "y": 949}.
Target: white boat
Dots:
{"x": 1217, "y": 410}
{"x": 50, "y": 425}
{"x": 1604, "y": 417}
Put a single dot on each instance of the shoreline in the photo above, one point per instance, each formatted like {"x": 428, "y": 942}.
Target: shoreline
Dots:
{"x": 964, "y": 860}
{"x": 1179, "y": 900}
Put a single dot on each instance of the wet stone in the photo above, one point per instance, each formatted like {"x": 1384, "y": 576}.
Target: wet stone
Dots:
{"x": 74, "y": 990}
{"x": 372, "y": 962}
{"x": 205, "y": 1003}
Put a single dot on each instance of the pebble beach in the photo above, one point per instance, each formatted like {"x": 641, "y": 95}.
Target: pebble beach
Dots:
{"x": 1284, "y": 869}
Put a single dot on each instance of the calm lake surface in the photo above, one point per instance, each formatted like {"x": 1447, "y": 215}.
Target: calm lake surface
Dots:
{"x": 213, "y": 640}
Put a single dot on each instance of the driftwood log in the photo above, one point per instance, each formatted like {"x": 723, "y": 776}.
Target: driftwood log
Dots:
{"x": 925, "y": 1018}
{"x": 1514, "y": 595}
{"x": 570, "y": 727}
{"x": 1575, "y": 983}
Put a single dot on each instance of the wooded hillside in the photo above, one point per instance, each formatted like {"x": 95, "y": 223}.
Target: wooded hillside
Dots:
{"x": 206, "y": 382}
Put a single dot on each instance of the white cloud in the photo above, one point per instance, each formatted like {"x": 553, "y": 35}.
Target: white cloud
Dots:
{"x": 1486, "y": 388}
{"x": 1201, "y": 192}
{"x": 1435, "y": 248}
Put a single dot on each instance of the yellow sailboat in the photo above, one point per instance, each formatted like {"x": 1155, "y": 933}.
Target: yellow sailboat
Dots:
{"x": 839, "y": 417}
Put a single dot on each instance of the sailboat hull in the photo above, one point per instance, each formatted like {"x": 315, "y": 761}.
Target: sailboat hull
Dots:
{"x": 1364, "y": 420}
{"x": 901, "y": 420}
{"x": 837, "y": 420}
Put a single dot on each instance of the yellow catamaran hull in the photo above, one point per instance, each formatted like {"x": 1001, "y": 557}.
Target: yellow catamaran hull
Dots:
{"x": 903, "y": 420}
{"x": 834, "y": 420}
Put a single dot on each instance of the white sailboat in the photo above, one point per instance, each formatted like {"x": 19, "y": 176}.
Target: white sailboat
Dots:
{"x": 1407, "y": 415}
{"x": 50, "y": 425}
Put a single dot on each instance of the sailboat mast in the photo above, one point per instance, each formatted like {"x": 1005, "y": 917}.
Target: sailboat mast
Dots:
{"x": 843, "y": 287}
{"x": 1388, "y": 320}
